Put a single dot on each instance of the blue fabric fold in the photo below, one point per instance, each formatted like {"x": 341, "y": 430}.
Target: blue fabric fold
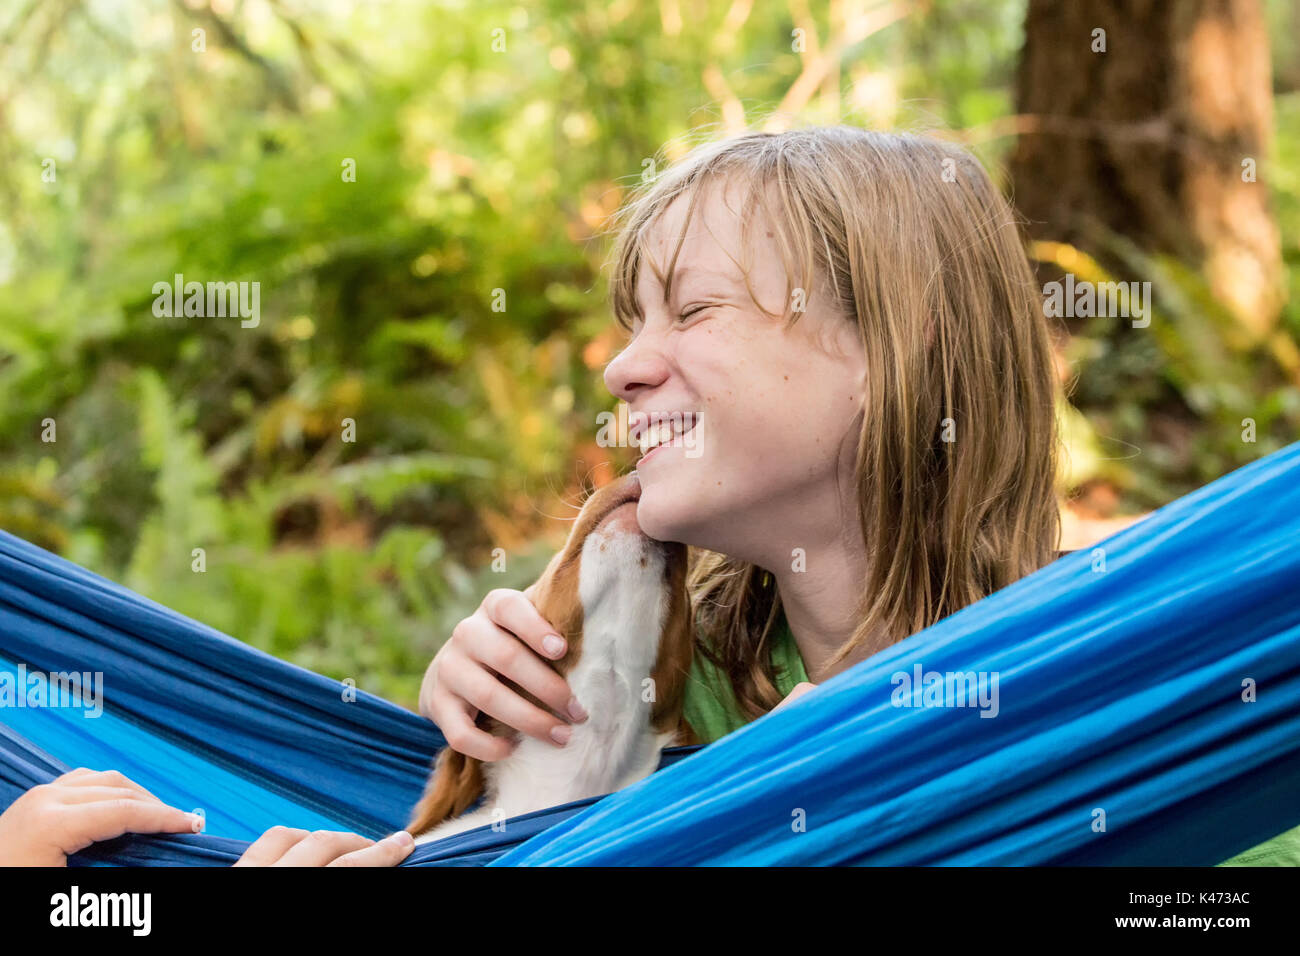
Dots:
{"x": 1124, "y": 732}
{"x": 1122, "y": 735}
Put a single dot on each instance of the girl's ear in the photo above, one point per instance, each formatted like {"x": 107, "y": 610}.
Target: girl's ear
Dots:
{"x": 855, "y": 350}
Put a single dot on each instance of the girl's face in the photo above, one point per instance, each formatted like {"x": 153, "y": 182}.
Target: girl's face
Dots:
{"x": 768, "y": 417}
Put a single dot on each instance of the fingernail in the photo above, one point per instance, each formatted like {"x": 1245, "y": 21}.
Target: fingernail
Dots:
{"x": 400, "y": 838}
{"x": 196, "y": 822}
{"x": 561, "y": 735}
{"x": 553, "y": 644}
{"x": 576, "y": 710}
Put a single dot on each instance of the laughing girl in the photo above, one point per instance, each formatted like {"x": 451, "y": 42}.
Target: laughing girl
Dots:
{"x": 850, "y": 322}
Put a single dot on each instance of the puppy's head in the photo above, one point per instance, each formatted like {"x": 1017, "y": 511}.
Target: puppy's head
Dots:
{"x": 606, "y": 546}
{"x": 618, "y": 559}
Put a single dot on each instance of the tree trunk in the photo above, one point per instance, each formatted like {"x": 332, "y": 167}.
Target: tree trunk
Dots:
{"x": 1162, "y": 138}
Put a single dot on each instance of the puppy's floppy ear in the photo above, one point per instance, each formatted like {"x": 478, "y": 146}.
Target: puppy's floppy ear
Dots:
{"x": 457, "y": 781}
{"x": 686, "y": 735}
{"x": 557, "y": 599}
{"x": 676, "y": 646}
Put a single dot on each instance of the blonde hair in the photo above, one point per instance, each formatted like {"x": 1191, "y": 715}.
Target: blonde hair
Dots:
{"x": 956, "y": 457}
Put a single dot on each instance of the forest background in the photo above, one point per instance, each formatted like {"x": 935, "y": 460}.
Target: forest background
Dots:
{"x": 392, "y": 173}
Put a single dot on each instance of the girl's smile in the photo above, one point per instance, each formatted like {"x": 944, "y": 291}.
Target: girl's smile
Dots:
{"x": 657, "y": 431}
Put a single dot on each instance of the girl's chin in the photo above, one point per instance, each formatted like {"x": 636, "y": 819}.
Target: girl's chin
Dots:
{"x": 659, "y": 519}
{"x": 653, "y": 528}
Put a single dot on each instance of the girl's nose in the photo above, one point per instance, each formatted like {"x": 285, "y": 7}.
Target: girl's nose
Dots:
{"x": 640, "y": 366}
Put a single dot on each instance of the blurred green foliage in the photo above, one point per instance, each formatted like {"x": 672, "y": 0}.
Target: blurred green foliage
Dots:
{"x": 478, "y": 168}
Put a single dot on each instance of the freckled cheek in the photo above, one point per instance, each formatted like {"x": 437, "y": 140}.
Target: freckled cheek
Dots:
{"x": 757, "y": 402}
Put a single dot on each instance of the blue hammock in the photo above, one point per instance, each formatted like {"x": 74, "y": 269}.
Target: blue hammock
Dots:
{"x": 1121, "y": 735}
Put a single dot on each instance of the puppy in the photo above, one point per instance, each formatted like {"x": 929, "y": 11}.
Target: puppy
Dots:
{"x": 619, "y": 599}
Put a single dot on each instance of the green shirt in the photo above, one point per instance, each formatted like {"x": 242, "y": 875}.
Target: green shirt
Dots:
{"x": 711, "y": 710}
{"x": 710, "y": 706}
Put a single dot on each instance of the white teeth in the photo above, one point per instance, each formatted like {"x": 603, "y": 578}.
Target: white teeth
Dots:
{"x": 662, "y": 434}
{"x": 654, "y": 437}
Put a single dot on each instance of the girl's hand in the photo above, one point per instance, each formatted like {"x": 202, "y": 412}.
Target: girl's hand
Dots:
{"x": 48, "y": 823}
{"x": 799, "y": 691}
{"x": 284, "y": 846}
{"x": 505, "y": 638}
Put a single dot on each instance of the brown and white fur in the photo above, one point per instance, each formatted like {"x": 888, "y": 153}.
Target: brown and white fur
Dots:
{"x": 619, "y": 599}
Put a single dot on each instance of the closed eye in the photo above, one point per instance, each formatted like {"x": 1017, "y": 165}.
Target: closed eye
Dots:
{"x": 692, "y": 311}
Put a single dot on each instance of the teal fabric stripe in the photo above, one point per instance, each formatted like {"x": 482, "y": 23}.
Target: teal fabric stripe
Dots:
{"x": 234, "y": 807}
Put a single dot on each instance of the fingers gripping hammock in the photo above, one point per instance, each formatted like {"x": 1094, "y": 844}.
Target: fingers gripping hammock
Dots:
{"x": 1120, "y": 699}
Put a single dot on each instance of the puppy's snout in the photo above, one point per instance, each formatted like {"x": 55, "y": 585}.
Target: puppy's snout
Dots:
{"x": 622, "y": 519}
